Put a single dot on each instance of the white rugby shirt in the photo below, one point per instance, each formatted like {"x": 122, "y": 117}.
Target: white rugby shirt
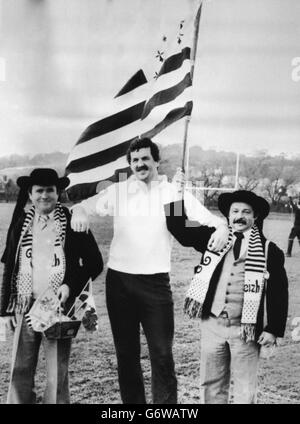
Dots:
{"x": 141, "y": 242}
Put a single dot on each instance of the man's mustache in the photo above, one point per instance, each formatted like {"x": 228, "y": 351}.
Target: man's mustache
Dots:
{"x": 240, "y": 221}
{"x": 142, "y": 168}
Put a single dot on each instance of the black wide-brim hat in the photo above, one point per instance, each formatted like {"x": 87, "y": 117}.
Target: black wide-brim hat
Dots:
{"x": 259, "y": 205}
{"x": 43, "y": 177}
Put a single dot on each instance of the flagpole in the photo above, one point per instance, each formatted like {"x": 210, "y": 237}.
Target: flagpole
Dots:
{"x": 185, "y": 162}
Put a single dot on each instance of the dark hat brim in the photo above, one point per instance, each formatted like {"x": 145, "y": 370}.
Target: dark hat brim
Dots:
{"x": 259, "y": 205}
{"x": 26, "y": 182}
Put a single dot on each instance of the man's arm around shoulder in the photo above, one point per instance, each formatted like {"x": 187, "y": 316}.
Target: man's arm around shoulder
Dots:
{"x": 99, "y": 204}
{"x": 188, "y": 233}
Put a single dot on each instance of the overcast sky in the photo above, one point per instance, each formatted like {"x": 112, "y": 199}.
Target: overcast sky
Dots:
{"x": 61, "y": 62}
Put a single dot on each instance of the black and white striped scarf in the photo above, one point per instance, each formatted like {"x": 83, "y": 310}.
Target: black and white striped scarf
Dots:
{"x": 21, "y": 292}
{"x": 255, "y": 274}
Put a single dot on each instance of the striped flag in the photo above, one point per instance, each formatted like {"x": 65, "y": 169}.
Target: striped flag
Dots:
{"x": 142, "y": 108}
{"x": 101, "y": 149}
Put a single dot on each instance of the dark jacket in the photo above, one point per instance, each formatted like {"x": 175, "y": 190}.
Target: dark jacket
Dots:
{"x": 83, "y": 261}
{"x": 277, "y": 285}
{"x": 296, "y": 211}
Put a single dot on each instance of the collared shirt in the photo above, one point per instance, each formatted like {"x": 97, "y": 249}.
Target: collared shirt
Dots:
{"x": 245, "y": 241}
{"x": 141, "y": 242}
{"x": 42, "y": 253}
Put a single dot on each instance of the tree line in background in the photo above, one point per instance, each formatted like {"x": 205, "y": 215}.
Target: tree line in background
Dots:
{"x": 273, "y": 177}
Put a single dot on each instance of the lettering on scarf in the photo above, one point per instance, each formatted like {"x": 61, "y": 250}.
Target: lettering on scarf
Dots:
{"x": 56, "y": 260}
{"x": 28, "y": 254}
{"x": 252, "y": 288}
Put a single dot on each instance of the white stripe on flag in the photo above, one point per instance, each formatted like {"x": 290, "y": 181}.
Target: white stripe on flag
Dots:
{"x": 97, "y": 174}
{"x": 159, "y": 112}
{"x": 170, "y": 79}
{"x": 108, "y": 140}
{"x": 125, "y": 101}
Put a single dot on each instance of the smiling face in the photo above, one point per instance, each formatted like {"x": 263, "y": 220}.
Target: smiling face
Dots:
{"x": 143, "y": 165}
{"x": 44, "y": 198}
{"x": 241, "y": 216}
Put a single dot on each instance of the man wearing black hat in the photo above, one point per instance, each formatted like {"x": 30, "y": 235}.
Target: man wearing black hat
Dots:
{"x": 240, "y": 293}
{"x": 41, "y": 251}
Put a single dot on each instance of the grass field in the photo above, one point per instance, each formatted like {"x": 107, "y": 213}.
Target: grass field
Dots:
{"x": 93, "y": 374}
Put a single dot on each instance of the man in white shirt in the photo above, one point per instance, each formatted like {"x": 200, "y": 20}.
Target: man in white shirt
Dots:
{"x": 137, "y": 282}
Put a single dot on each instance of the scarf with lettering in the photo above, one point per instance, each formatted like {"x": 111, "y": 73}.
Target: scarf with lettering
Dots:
{"x": 255, "y": 275}
{"x": 21, "y": 292}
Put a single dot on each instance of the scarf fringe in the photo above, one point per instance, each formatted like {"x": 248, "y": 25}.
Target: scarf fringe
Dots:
{"x": 192, "y": 308}
{"x": 247, "y": 332}
{"x": 19, "y": 304}
{"x": 12, "y": 303}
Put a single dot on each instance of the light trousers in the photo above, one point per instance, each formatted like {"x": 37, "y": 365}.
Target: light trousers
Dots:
{"x": 225, "y": 357}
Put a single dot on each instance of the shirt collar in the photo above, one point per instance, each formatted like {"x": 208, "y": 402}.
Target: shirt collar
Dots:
{"x": 50, "y": 215}
{"x": 246, "y": 235}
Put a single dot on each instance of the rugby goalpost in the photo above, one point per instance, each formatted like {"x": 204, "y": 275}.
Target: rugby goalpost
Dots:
{"x": 236, "y": 179}
{"x": 198, "y": 191}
